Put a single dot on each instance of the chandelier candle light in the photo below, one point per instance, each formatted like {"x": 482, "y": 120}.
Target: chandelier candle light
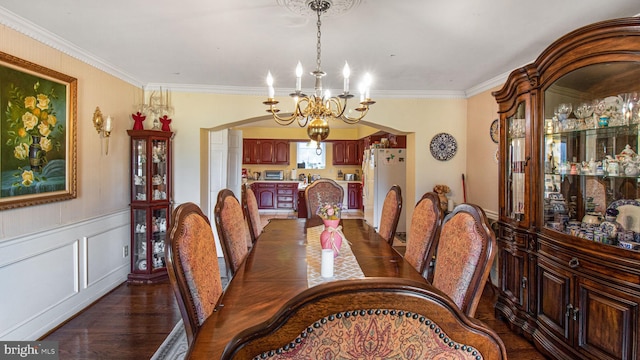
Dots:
{"x": 315, "y": 110}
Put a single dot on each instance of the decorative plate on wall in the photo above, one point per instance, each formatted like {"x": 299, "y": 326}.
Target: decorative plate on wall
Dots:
{"x": 443, "y": 146}
{"x": 494, "y": 131}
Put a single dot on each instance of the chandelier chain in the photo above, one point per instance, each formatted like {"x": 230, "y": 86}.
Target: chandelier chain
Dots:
{"x": 315, "y": 111}
{"x": 318, "y": 47}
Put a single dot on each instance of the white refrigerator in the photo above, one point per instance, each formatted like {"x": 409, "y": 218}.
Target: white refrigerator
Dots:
{"x": 381, "y": 169}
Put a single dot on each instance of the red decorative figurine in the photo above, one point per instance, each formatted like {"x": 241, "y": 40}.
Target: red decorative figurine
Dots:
{"x": 165, "y": 123}
{"x": 138, "y": 118}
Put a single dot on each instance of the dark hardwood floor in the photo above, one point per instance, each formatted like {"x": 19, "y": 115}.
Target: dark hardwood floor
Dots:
{"x": 133, "y": 320}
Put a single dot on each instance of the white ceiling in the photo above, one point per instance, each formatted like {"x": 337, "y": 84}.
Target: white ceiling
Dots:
{"x": 411, "y": 47}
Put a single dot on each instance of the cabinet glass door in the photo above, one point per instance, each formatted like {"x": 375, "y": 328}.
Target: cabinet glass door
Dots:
{"x": 139, "y": 169}
{"x": 516, "y": 162}
{"x": 591, "y": 167}
{"x": 159, "y": 169}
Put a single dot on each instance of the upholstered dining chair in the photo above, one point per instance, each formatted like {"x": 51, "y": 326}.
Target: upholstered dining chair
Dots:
{"x": 192, "y": 264}
{"x": 232, "y": 230}
{"x": 359, "y": 319}
{"x": 390, "y": 214}
{"x": 250, "y": 208}
{"x": 465, "y": 254}
{"x": 423, "y": 233}
{"x": 322, "y": 191}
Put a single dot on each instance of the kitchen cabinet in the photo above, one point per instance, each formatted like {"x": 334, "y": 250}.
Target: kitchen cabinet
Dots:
{"x": 276, "y": 195}
{"x": 345, "y": 152}
{"x": 281, "y": 152}
{"x": 150, "y": 184}
{"x": 265, "y": 151}
{"x": 395, "y": 141}
{"x": 302, "y": 205}
{"x": 354, "y": 197}
{"x": 569, "y": 130}
{"x": 286, "y": 197}
{"x": 265, "y": 194}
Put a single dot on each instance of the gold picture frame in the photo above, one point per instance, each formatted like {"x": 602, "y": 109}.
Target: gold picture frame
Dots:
{"x": 38, "y": 145}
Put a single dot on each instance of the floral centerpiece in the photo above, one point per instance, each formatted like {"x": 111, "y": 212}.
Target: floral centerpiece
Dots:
{"x": 331, "y": 237}
{"x": 33, "y": 130}
{"x": 329, "y": 211}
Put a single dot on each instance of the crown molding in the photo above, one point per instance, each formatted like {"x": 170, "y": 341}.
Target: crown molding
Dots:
{"x": 21, "y": 25}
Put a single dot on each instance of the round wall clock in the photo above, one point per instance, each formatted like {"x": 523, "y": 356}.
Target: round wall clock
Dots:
{"x": 494, "y": 131}
{"x": 443, "y": 146}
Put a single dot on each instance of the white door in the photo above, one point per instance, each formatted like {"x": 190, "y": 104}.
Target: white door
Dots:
{"x": 218, "y": 143}
{"x": 234, "y": 164}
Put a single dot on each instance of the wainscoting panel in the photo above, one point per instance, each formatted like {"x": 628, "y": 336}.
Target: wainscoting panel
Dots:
{"x": 36, "y": 284}
{"x": 105, "y": 252}
{"x": 48, "y": 277}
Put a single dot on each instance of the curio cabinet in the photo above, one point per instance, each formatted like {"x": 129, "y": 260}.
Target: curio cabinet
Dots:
{"x": 151, "y": 203}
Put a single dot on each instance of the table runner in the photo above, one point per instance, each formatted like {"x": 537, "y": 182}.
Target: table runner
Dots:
{"x": 345, "y": 266}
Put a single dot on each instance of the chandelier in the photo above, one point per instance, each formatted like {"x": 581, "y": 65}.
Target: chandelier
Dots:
{"x": 317, "y": 109}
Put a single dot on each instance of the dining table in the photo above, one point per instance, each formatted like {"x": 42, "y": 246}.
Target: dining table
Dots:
{"x": 283, "y": 262}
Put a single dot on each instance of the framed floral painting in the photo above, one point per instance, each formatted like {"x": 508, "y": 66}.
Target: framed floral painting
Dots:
{"x": 38, "y": 108}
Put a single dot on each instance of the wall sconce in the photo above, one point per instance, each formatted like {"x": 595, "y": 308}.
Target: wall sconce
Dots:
{"x": 103, "y": 127}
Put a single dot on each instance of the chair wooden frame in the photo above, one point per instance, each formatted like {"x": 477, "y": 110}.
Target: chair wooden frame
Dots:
{"x": 289, "y": 326}
{"x": 394, "y": 225}
{"x": 225, "y": 243}
{"x": 432, "y": 243}
{"x": 311, "y": 210}
{"x": 485, "y": 259}
{"x": 175, "y": 268}
{"x": 251, "y": 221}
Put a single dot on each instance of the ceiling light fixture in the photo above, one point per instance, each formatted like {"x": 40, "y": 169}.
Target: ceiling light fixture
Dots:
{"x": 316, "y": 110}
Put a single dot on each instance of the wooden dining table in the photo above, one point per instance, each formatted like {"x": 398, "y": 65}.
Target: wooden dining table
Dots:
{"x": 275, "y": 270}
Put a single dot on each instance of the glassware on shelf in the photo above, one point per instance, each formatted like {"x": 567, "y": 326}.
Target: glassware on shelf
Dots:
{"x": 584, "y": 114}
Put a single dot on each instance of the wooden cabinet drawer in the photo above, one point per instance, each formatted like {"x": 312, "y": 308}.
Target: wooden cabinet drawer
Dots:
{"x": 285, "y": 191}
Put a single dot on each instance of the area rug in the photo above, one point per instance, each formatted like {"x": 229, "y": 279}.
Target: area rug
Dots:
{"x": 174, "y": 346}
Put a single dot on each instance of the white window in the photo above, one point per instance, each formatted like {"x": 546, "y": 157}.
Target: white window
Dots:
{"x": 307, "y": 154}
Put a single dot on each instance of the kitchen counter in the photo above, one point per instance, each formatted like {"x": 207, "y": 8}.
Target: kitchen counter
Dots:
{"x": 301, "y": 184}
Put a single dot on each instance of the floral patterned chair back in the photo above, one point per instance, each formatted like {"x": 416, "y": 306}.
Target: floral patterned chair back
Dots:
{"x": 232, "y": 230}
{"x": 390, "y": 214}
{"x": 465, "y": 254}
{"x": 423, "y": 233}
{"x": 363, "y": 319}
{"x": 320, "y": 192}
{"x": 192, "y": 264}
{"x": 250, "y": 207}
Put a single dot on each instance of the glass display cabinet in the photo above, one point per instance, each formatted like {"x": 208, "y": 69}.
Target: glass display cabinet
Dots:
{"x": 569, "y": 226}
{"x": 150, "y": 203}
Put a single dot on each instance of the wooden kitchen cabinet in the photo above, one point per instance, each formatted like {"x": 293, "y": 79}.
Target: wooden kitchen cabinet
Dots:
{"x": 281, "y": 152}
{"x": 345, "y": 152}
{"x": 302, "y": 205}
{"x": 265, "y": 151}
{"x": 567, "y": 282}
{"x": 265, "y": 194}
{"x": 354, "y": 195}
{"x": 286, "y": 195}
{"x": 276, "y": 195}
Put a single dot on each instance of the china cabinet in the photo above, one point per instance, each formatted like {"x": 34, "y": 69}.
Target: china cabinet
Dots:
{"x": 569, "y": 227}
{"x": 150, "y": 203}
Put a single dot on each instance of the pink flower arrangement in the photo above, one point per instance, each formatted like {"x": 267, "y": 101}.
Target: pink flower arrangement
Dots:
{"x": 329, "y": 211}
